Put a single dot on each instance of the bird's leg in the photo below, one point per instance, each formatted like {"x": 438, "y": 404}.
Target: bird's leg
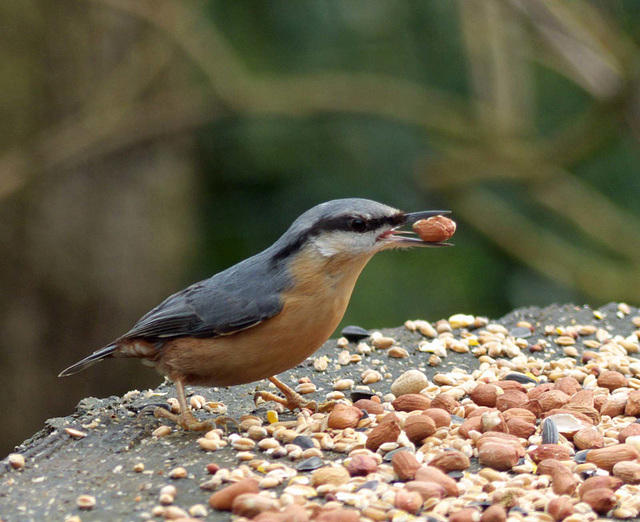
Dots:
{"x": 291, "y": 400}
{"x": 185, "y": 419}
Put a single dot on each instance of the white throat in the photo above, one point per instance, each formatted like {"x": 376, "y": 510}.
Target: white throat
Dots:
{"x": 347, "y": 243}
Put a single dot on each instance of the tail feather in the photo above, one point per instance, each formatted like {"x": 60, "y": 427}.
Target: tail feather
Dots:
{"x": 95, "y": 357}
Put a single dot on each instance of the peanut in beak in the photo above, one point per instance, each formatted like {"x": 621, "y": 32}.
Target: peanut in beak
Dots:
{"x": 435, "y": 229}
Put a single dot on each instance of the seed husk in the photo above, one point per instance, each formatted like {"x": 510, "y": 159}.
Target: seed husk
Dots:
{"x": 550, "y": 433}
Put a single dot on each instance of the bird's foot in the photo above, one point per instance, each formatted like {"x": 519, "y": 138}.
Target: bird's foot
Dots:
{"x": 291, "y": 401}
{"x": 224, "y": 421}
{"x": 326, "y": 407}
{"x": 186, "y": 420}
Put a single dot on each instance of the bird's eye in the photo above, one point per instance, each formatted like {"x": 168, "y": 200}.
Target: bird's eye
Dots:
{"x": 357, "y": 225}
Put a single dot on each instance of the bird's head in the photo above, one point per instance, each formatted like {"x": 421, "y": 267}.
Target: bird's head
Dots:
{"x": 354, "y": 228}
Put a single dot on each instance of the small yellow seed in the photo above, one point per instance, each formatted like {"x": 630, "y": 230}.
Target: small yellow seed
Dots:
{"x": 272, "y": 416}
{"x": 178, "y": 473}
{"x": 158, "y": 511}
{"x": 382, "y": 343}
{"x": 305, "y": 388}
{"x": 397, "y": 352}
{"x": 16, "y": 461}
{"x": 461, "y": 321}
{"x": 76, "y": 434}
{"x": 570, "y": 351}
{"x": 629, "y": 346}
{"x": 168, "y": 490}
{"x": 243, "y": 444}
{"x": 321, "y": 363}
{"x": 371, "y": 376}
{"x": 267, "y": 444}
{"x": 459, "y": 347}
{"x": 344, "y": 357}
{"x": 269, "y": 482}
{"x": 343, "y": 384}
{"x": 257, "y": 433}
{"x": 312, "y": 452}
{"x": 166, "y": 500}
{"x": 565, "y": 340}
{"x": 248, "y": 421}
{"x": 197, "y": 402}
{"x": 363, "y": 349}
{"x": 86, "y": 502}
{"x": 198, "y": 511}
{"x": 174, "y": 512}
{"x": 162, "y": 431}
{"x": 245, "y": 456}
{"x": 586, "y": 329}
{"x": 208, "y": 444}
{"x": 174, "y": 405}
{"x": 425, "y": 328}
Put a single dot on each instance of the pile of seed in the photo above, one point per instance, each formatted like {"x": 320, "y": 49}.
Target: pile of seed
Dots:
{"x": 526, "y": 436}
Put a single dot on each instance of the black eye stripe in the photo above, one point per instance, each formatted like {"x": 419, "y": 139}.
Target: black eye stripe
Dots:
{"x": 345, "y": 223}
{"x": 335, "y": 223}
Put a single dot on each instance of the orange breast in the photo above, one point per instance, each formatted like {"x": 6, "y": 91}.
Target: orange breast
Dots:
{"x": 312, "y": 310}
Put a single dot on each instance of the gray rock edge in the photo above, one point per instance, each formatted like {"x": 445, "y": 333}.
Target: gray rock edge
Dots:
{"x": 59, "y": 468}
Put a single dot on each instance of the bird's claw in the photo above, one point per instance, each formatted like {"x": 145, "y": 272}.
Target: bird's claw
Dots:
{"x": 224, "y": 422}
{"x": 185, "y": 420}
{"x": 326, "y": 407}
{"x": 291, "y": 401}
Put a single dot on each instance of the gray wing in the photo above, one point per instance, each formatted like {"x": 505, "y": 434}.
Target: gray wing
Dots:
{"x": 230, "y": 301}
{"x": 238, "y": 298}
{"x": 191, "y": 313}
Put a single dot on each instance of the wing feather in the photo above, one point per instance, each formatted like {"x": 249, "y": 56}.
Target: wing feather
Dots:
{"x": 239, "y": 298}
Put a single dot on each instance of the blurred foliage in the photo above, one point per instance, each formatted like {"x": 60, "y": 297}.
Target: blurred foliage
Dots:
{"x": 502, "y": 111}
{"x": 146, "y": 144}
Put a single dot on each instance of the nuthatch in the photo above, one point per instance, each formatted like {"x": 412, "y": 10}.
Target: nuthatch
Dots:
{"x": 269, "y": 312}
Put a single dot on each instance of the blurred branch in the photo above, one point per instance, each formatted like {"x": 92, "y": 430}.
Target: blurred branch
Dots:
{"x": 590, "y": 211}
{"x": 582, "y": 136}
{"x": 482, "y": 148}
{"x": 582, "y": 46}
{"x": 552, "y": 187}
{"x": 524, "y": 239}
{"x": 294, "y": 95}
{"x": 62, "y": 145}
{"x": 150, "y": 120}
{"x": 590, "y": 51}
{"x": 632, "y": 117}
{"x": 105, "y": 116}
{"x": 168, "y": 115}
{"x": 112, "y": 115}
{"x": 495, "y": 44}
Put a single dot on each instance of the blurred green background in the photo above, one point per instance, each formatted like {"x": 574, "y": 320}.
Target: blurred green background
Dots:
{"x": 146, "y": 144}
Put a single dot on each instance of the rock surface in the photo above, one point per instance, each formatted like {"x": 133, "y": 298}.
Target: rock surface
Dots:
{"x": 98, "y": 450}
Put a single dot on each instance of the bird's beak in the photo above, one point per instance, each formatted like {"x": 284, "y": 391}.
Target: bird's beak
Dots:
{"x": 408, "y": 238}
{"x": 411, "y": 218}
